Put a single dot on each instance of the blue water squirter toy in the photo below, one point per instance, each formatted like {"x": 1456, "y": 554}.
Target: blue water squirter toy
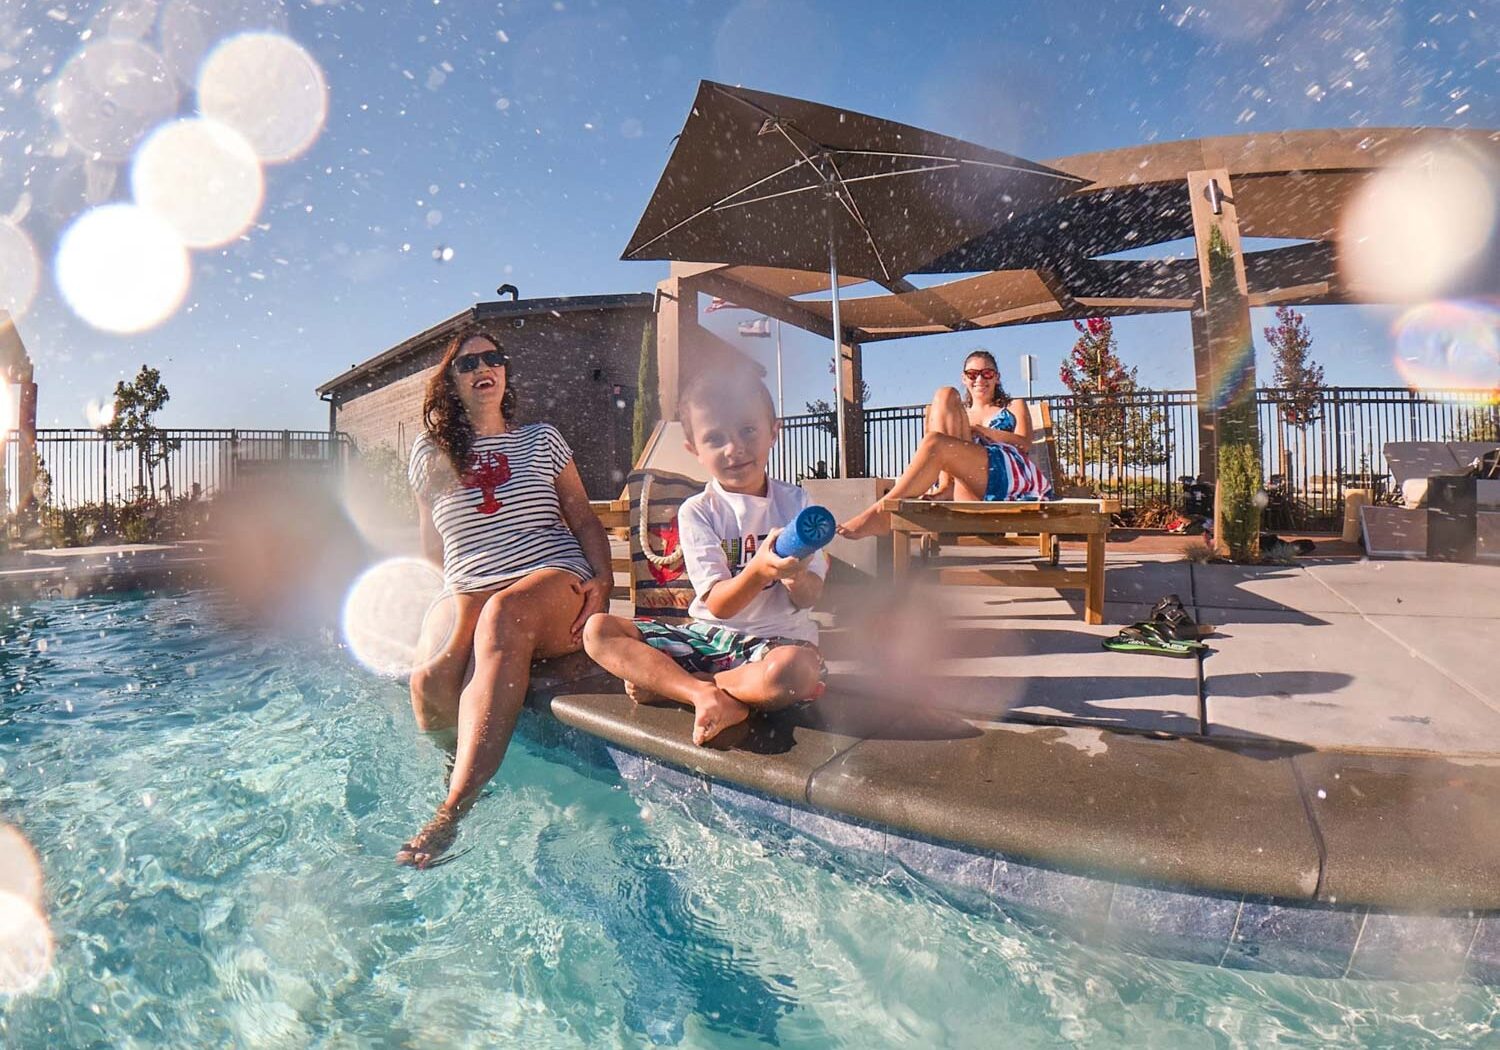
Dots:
{"x": 812, "y": 529}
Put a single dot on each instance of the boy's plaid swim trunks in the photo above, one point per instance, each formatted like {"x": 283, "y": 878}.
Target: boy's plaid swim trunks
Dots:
{"x": 702, "y": 648}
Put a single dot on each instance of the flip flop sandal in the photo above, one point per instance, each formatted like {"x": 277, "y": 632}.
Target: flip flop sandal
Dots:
{"x": 1174, "y": 620}
{"x": 1164, "y": 633}
{"x": 1147, "y": 638}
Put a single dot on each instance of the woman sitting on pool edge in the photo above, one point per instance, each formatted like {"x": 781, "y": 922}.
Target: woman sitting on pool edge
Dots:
{"x": 976, "y": 448}
{"x": 525, "y": 564}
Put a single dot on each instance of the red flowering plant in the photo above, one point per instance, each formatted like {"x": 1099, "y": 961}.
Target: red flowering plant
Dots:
{"x": 1111, "y": 423}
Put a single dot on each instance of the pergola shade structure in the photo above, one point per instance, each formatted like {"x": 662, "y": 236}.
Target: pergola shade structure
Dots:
{"x": 1049, "y": 261}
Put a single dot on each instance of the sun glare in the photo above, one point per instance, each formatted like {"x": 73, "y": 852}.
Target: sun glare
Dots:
{"x": 122, "y": 268}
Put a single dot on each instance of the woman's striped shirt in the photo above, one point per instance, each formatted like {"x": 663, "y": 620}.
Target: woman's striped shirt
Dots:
{"x": 500, "y": 519}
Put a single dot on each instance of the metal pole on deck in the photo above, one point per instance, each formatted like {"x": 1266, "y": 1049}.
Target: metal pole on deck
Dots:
{"x": 838, "y": 337}
{"x": 780, "y": 399}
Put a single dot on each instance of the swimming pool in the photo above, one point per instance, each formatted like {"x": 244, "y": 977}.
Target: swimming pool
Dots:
{"x": 215, "y": 812}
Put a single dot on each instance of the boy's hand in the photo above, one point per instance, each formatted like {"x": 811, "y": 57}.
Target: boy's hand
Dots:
{"x": 769, "y": 565}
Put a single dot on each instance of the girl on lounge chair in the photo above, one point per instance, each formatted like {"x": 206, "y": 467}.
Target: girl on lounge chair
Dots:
{"x": 975, "y": 448}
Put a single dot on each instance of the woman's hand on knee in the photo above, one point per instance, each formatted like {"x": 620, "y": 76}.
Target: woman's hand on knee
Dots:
{"x": 595, "y": 591}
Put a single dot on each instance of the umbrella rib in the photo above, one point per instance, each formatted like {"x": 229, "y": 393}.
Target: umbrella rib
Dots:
{"x": 720, "y": 204}
{"x": 847, "y": 200}
{"x": 963, "y": 160}
{"x": 768, "y": 197}
{"x": 893, "y": 174}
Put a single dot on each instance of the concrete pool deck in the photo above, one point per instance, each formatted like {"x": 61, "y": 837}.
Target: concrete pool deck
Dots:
{"x": 1319, "y": 794}
{"x": 1351, "y": 752}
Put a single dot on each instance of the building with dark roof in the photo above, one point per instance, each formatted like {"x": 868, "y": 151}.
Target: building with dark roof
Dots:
{"x": 573, "y": 364}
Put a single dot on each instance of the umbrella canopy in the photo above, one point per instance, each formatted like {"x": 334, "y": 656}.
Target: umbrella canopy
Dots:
{"x": 767, "y": 180}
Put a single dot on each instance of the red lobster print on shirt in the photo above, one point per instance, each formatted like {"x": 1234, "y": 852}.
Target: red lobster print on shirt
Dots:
{"x": 487, "y": 472}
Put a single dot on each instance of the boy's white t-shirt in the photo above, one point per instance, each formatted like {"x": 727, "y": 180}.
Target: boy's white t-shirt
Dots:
{"x": 719, "y": 532}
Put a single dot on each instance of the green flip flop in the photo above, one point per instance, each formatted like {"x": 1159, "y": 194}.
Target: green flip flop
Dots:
{"x": 1148, "y": 637}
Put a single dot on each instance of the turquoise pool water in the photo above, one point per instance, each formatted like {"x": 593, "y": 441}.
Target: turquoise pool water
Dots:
{"x": 215, "y": 813}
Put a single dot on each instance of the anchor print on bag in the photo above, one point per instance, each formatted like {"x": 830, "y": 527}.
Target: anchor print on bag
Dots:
{"x": 664, "y": 538}
{"x": 487, "y": 472}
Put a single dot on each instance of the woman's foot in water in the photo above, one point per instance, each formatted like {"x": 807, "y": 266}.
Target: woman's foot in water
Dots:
{"x": 431, "y": 842}
{"x": 714, "y": 712}
{"x": 872, "y": 521}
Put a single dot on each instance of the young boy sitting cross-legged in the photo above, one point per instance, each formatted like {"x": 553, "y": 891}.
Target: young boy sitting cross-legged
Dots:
{"x": 752, "y": 642}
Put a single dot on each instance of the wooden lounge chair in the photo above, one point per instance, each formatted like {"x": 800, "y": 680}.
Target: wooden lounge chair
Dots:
{"x": 997, "y": 524}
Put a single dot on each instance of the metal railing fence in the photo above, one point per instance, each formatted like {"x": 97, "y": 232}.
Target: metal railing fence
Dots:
{"x": 81, "y": 466}
{"x": 1137, "y": 446}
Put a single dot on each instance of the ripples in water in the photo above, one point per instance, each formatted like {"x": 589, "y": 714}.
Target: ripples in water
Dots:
{"x": 216, "y": 810}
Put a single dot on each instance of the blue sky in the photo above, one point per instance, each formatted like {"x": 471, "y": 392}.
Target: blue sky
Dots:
{"x": 527, "y": 136}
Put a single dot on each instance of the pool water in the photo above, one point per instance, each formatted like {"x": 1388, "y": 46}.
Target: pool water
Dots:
{"x": 215, "y": 811}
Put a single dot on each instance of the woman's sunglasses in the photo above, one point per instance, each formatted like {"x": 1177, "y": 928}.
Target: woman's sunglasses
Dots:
{"x": 973, "y": 375}
{"x": 468, "y": 362}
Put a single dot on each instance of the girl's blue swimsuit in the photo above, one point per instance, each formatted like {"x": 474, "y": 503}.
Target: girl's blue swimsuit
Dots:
{"x": 1012, "y": 475}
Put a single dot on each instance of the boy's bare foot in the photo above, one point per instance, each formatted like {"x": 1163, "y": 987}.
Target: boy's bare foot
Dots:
{"x": 716, "y": 713}
{"x": 640, "y": 694}
{"x": 431, "y": 842}
{"x": 872, "y": 521}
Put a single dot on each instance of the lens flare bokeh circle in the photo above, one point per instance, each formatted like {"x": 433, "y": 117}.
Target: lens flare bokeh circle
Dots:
{"x": 269, "y": 89}
{"x": 25, "y": 937}
{"x": 202, "y": 177}
{"x": 110, "y": 94}
{"x": 122, "y": 268}
{"x": 1417, "y": 228}
{"x": 390, "y": 608}
{"x": 1449, "y": 345}
{"x": 190, "y": 28}
{"x": 19, "y": 270}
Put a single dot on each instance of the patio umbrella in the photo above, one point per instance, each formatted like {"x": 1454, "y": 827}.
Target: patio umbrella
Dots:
{"x": 766, "y": 180}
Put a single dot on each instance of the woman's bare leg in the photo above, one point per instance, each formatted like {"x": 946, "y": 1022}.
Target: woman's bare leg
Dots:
{"x": 446, "y": 645}
{"x": 531, "y": 618}
{"x": 967, "y": 462}
{"x": 946, "y": 415}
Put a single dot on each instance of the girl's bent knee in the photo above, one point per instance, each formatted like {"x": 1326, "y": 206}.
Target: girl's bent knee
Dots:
{"x": 946, "y": 397}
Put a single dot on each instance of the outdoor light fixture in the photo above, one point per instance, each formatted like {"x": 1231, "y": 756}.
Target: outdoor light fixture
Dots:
{"x": 1215, "y": 197}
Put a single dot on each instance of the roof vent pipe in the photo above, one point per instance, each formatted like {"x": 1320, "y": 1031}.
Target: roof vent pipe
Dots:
{"x": 515, "y": 294}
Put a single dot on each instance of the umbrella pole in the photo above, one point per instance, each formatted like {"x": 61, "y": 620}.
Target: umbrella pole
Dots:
{"x": 841, "y": 457}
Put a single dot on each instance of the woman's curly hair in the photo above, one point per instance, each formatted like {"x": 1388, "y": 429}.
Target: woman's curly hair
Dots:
{"x": 1001, "y": 397}
{"x": 443, "y": 413}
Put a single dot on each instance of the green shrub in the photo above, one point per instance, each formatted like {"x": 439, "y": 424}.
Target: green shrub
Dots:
{"x": 1239, "y": 510}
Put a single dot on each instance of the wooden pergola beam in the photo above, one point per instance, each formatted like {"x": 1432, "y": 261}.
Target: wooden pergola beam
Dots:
{"x": 786, "y": 310}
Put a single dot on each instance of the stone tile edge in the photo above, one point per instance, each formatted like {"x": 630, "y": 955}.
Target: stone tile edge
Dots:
{"x": 1248, "y": 932}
